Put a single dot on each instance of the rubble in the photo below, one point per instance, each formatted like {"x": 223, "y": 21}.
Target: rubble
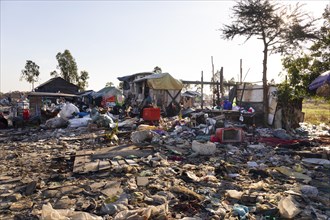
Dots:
{"x": 169, "y": 170}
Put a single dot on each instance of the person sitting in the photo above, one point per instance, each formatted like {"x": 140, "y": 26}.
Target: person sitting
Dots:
{"x": 147, "y": 103}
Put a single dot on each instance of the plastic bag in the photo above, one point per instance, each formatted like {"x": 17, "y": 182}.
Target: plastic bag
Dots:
{"x": 48, "y": 213}
{"x": 208, "y": 148}
{"x": 79, "y": 122}
{"x": 68, "y": 111}
{"x": 56, "y": 122}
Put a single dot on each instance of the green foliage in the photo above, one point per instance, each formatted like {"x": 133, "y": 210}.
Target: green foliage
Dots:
{"x": 109, "y": 84}
{"x": 279, "y": 28}
{"x": 304, "y": 66}
{"x": 120, "y": 85}
{"x": 54, "y": 74}
{"x": 82, "y": 82}
{"x": 67, "y": 66}
{"x": 157, "y": 69}
{"x": 276, "y": 25}
{"x": 30, "y": 73}
{"x": 186, "y": 87}
{"x": 287, "y": 94}
{"x": 69, "y": 70}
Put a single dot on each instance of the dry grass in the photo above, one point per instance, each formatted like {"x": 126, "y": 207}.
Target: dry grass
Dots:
{"x": 317, "y": 112}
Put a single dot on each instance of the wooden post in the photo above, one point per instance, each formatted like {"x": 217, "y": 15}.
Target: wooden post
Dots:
{"x": 240, "y": 71}
{"x": 213, "y": 80}
{"x": 221, "y": 82}
{"x": 202, "y": 102}
{"x": 218, "y": 93}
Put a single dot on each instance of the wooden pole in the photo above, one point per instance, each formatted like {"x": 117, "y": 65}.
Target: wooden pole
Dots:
{"x": 213, "y": 80}
{"x": 240, "y": 71}
{"x": 202, "y": 102}
{"x": 221, "y": 82}
{"x": 218, "y": 93}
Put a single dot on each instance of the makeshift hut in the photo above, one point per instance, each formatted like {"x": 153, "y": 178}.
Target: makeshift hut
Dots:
{"x": 280, "y": 115}
{"x": 108, "y": 97}
{"x": 188, "y": 98}
{"x": 39, "y": 100}
{"x": 164, "y": 90}
{"x": 129, "y": 87}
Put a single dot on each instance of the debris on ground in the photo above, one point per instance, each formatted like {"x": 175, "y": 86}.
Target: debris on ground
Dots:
{"x": 103, "y": 168}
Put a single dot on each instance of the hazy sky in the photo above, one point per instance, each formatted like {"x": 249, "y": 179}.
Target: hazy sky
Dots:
{"x": 116, "y": 38}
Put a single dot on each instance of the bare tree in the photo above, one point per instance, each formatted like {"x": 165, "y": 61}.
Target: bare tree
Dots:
{"x": 279, "y": 28}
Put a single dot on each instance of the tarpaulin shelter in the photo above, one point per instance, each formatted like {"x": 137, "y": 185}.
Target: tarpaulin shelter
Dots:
{"x": 128, "y": 81}
{"x": 108, "y": 96}
{"x": 164, "y": 89}
{"x": 322, "y": 79}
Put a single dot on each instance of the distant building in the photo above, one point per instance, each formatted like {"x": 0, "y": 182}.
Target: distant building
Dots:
{"x": 57, "y": 85}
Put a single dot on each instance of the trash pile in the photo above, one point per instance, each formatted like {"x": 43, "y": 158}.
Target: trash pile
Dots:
{"x": 97, "y": 166}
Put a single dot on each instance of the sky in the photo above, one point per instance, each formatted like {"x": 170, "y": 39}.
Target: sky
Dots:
{"x": 109, "y": 39}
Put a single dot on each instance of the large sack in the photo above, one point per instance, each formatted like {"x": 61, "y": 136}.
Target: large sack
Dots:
{"x": 68, "y": 111}
{"x": 56, "y": 122}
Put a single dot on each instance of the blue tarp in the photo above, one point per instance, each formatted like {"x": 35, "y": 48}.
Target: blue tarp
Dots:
{"x": 320, "y": 80}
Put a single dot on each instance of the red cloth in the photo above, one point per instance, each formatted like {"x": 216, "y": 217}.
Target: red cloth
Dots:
{"x": 273, "y": 141}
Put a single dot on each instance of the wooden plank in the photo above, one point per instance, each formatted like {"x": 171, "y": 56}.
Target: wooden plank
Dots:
{"x": 92, "y": 166}
{"x": 131, "y": 162}
{"x": 114, "y": 163}
{"x": 104, "y": 165}
{"x": 123, "y": 151}
{"x": 121, "y": 162}
{"x": 80, "y": 162}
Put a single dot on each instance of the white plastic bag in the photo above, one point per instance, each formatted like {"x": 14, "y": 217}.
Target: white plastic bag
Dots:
{"x": 208, "y": 148}
{"x": 67, "y": 111}
{"x": 79, "y": 122}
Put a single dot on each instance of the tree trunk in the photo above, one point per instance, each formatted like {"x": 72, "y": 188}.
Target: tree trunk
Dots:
{"x": 264, "y": 82}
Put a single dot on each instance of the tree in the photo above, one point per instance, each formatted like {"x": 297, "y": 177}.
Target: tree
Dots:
{"x": 69, "y": 70}
{"x": 54, "y": 74}
{"x": 109, "y": 84}
{"x": 304, "y": 66}
{"x": 82, "y": 82}
{"x": 30, "y": 73}
{"x": 157, "y": 69}
{"x": 186, "y": 87}
{"x": 68, "y": 67}
{"x": 120, "y": 85}
{"x": 279, "y": 28}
